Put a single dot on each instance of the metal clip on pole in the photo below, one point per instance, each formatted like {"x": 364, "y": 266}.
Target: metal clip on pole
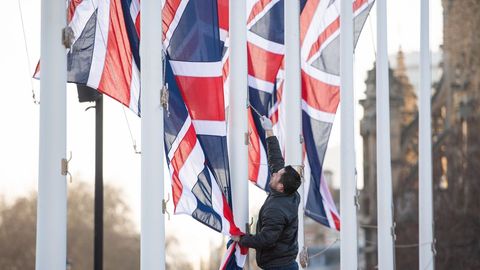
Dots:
{"x": 164, "y": 99}
{"x": 164, "y": 206}
{"x": 64, "y": 167}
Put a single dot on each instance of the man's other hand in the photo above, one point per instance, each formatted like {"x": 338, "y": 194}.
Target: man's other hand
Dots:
{"x": 235, "y": 238}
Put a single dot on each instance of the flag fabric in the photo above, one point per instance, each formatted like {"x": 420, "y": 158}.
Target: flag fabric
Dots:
{"x": 195, "y": 126}
{"x": 320, "y": 52}
{"x": 196, "y": 189}
{"x": 265, "y": 47}
{"x": 230, "y": 260}
{"x": 320, "y": 58}
{"x": 105, "y": 50}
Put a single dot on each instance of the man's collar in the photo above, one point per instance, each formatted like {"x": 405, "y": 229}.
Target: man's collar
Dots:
{"x": 277, "y": 193}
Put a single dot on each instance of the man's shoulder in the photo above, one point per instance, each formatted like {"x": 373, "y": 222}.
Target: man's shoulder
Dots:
{"x": 278, "y": 204}
{"x": 274, "y": 204}
{"x": 274, "y": 211}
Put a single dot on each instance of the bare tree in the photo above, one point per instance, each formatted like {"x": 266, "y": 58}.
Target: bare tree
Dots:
{"x": 121, "y": 240}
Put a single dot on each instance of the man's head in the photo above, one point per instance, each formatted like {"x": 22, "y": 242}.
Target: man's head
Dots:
{"x": 286, "y": 180}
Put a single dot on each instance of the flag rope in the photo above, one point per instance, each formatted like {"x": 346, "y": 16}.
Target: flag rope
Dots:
{"x": 29, "y": 65}
{"x": 325, "y": 249}
{"x": 134, "y": 143}
{"x": 254, "y": 109}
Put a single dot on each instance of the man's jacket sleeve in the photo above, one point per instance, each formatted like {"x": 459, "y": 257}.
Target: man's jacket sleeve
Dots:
{"x": 273, "y": 225}
{"x": 275, "y": 158}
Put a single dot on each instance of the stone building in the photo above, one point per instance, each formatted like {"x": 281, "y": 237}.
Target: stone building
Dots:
{"x": 403, "y": 131}
{"x": 455, "y": 150}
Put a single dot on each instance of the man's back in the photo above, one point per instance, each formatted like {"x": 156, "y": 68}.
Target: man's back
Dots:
{"x": 280, "y": 209}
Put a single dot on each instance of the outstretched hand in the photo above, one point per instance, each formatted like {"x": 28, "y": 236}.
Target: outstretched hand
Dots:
{"x": 266, "y": 123}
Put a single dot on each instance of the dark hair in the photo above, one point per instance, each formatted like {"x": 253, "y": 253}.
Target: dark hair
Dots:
{"x": 290, "y": 180}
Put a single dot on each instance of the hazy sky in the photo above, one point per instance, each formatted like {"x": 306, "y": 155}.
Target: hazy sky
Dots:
{"x": 19, "y": 116}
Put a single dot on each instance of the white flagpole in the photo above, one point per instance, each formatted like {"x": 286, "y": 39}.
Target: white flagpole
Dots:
{"x": 152, "y": 218}
{"x": 384, "y": 172}
{"x": 348, "y": 211}
{"x": 293, "y": 141}
{"x": 51, "y": 250}
{"x": 426, "y": 256}
{"x": 238, "y": 125}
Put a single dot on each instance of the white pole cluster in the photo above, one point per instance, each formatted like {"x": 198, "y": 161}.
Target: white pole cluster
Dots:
{"x": 51, "y": 250}
{"x": 293, "y": 145}
{"x": 427, "y": 260}
{"x": 152, "y": 238}
{"x": 348, "y": 211}
{"x": 238, "y": 124}
{"x": 384, "y": 171}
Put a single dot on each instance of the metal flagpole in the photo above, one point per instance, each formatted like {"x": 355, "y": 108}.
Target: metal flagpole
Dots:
{"x": 51, "y": 243}
{"x": 98, "y": 218}
{"x": 348, "y": 211}
{"x": 426, "y": 255}
{"x": 384, "y": 171}
{"x": 293, "y": 139}
{"x": 152, "y": 239}
{"x": 237, "y": 122}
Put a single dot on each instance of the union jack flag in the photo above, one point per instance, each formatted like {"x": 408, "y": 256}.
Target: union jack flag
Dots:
{"x": 105, "y": 50}
{"x": 320, "y": 55}
{"x": 195, "y": 134}
{"x": 195, "y": 129}
{"x": 320, "y": 58}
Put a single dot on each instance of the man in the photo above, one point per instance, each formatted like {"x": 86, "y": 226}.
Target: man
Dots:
{"x": 275, "y": 240}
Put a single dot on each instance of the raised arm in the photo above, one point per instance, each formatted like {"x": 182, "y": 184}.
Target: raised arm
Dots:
{"x": 274, "y": 155}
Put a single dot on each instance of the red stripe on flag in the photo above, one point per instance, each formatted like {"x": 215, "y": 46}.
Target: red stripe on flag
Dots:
{"x": 179, "y": 158}
{"x": 336, "y": 220}
{"x": 319, "y": 95}
{"x": 223, "y": 14}
{"x": 203, "y": 97}
{"x": 358, "y": 3}
{"x": 227, "y": 213}
{"x": 72, "y": 7}
{"x": 37, "y": 71}
{"x": 227, "y": 257}
{"x": 275, "y": 115}
{"x": 117, "y": 72}
{"x": 328, "y": 32}
{"x": 137, "y": 25}
{"x": 263, "y": 64}
{"x": 177, "y": 189}
{"x": 168, "y": 13}
{"x": 226, "y": 69}
{"x": 332, "y": 28}
{"x": 253, "y": 149}
{"x": 257, "y": 8}
{"x": 306, "y": 17}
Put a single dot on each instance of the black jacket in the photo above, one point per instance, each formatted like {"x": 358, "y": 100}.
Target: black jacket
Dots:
{"x": 275, "y": 240}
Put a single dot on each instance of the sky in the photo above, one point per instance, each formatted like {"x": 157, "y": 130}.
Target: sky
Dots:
{"x": 19, "y": 116}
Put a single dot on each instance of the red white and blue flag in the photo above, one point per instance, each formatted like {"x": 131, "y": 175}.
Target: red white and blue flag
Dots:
{"x": 320, "y": 58}
{"x": 195, "y": 126}
{"x": 105, "y": 50}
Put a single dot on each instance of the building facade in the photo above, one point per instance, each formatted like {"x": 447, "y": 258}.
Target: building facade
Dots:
{"x": 455, "y": 150}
